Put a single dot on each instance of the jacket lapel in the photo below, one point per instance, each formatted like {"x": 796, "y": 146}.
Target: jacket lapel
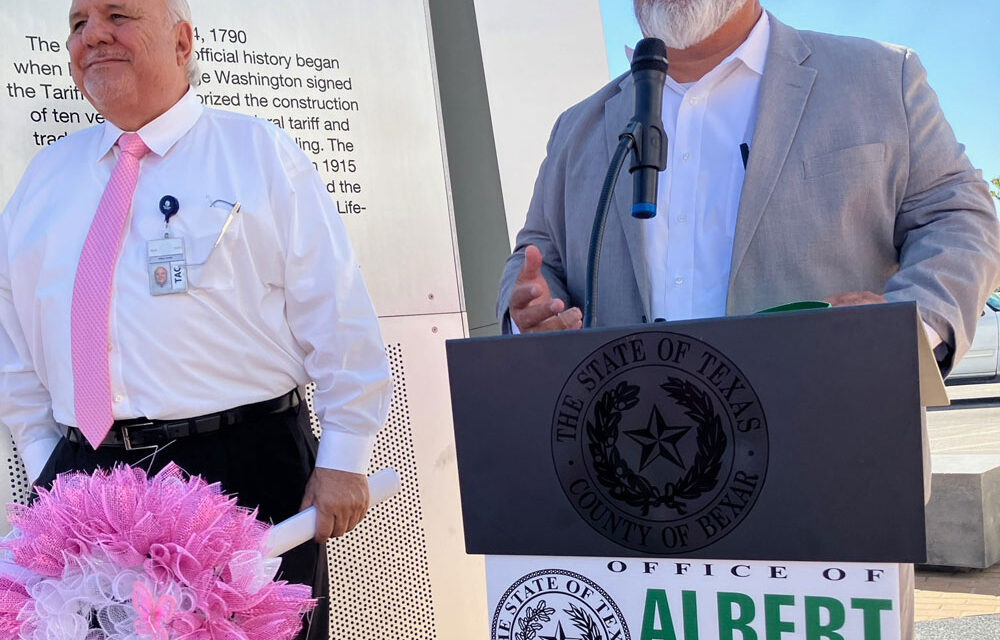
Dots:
{"x": 784, "y": 91}
{"x": 617, "y": 112}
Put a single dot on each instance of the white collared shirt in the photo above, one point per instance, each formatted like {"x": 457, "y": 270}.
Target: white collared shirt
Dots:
{"x": 279, "y": 302}
{"x": 689, "y": 243}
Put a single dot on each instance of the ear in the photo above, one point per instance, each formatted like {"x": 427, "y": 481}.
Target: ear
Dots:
{"x": 185, "y": 43}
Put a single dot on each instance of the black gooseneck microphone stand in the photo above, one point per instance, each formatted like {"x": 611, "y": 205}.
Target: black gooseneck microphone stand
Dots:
{"x": 644, "y": 138}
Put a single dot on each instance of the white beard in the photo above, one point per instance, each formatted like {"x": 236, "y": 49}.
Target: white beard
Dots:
{"x": 682, "y": 23}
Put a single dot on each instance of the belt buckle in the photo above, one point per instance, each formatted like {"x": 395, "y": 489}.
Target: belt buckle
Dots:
{"x": 128, "y": 440}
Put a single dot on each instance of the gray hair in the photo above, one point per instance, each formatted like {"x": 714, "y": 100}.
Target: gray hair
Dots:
{"x": 180, "y": 11}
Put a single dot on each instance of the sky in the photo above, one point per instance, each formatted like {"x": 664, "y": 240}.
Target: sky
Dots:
{"x": 958, "y": 43}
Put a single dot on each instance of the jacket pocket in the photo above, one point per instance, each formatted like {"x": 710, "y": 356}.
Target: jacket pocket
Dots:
{"x": 843, "y": 159}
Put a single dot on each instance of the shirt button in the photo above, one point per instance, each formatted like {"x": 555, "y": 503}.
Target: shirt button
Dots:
{"x": 686, "y": 157}
{"x": 118, "y": 399}
{"x": 679, "y": 281}
{"x": 693, "y": 100}
{"x": 682, "y": 219}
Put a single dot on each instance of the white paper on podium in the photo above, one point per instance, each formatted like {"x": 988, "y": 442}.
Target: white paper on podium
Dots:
{"x": 301, "y": 527}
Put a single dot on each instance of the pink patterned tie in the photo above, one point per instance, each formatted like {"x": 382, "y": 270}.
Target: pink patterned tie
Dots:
{"x": 92, "y": 294}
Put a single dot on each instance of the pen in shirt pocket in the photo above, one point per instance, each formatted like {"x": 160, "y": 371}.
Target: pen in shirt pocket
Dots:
{"x": 745, "y": 154}
{"x": 222, "y": 232}
{"x": 229, "y": 221}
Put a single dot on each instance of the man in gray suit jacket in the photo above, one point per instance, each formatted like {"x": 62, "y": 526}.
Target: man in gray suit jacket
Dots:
{"x": 855, "y": 189}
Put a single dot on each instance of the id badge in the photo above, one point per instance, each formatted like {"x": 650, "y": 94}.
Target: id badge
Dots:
{"x": 166, "y": 266}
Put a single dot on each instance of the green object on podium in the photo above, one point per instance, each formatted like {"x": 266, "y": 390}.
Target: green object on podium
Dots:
{"x": 801, "y": 305}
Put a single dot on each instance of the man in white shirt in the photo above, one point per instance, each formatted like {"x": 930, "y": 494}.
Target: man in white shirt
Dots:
{"x": 264, "y": 293}
{"x": 854, "y": 189}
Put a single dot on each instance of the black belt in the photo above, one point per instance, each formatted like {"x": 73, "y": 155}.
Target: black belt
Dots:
{"x": 143, "y": 433}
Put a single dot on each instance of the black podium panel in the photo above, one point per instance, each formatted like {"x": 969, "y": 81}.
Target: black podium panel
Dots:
{"x": 790, "y": 436}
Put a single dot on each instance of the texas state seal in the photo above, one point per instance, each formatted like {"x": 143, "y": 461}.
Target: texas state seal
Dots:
{"x": 660, "y": 443}
{"x": 555, "y": 604}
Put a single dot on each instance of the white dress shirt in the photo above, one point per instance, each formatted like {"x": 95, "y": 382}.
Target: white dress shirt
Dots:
{"x": 278, "y": 303}
{"x": 689, "y": 244}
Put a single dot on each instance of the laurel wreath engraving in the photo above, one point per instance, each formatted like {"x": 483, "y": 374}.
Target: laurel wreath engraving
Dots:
{"x": 584, "y": 623}
{"x": 531, "y": 622}
{"x": 614, "y": 472}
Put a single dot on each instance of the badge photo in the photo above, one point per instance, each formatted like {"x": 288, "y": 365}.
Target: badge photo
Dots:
{"x": 165, "y": 266}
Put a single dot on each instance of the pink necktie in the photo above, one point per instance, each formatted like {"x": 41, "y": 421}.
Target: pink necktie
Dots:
{"x": 92, "y": 294}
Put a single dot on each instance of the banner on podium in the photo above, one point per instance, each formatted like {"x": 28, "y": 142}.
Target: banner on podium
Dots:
{"x": 572, "y": 598}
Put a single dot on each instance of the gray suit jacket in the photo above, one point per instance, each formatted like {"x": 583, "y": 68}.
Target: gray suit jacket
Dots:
{"x": 855, "y": 182}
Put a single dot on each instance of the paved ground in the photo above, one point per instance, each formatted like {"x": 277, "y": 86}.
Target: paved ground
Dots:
{"x": 957, "y": 594}
{"x": 962, "y": 605}
{"x": 976, "y": 628}
{"x": 967, "y": 428}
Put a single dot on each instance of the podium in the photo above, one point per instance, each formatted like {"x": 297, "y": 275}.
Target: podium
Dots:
{"x": 746, "y": 477}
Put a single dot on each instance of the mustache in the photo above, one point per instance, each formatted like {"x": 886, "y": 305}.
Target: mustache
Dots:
{"x": 104, "y": 55}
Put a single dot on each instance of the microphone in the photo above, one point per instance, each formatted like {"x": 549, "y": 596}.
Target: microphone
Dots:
{"x": 649, "y": 72}
{"x": 644, "y": 139}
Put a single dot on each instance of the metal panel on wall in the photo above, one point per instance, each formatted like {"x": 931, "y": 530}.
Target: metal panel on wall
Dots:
{"x": 540, "y": 58}
{"x": 403, "y": 572}
{"x": 353, "y": 83}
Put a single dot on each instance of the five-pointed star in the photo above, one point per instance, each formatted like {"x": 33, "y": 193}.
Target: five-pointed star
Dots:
{"x": 560, "y": 634}
{"x": 659, "y": 439}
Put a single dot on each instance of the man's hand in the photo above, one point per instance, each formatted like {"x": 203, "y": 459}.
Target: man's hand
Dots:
{"x": 531, "y": 305}
{"x": 854, "y": 298}
{"x": 340, "y": 498}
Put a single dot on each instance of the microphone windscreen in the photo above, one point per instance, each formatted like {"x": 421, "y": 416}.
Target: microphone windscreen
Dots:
{"x": 650, "y": 53}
